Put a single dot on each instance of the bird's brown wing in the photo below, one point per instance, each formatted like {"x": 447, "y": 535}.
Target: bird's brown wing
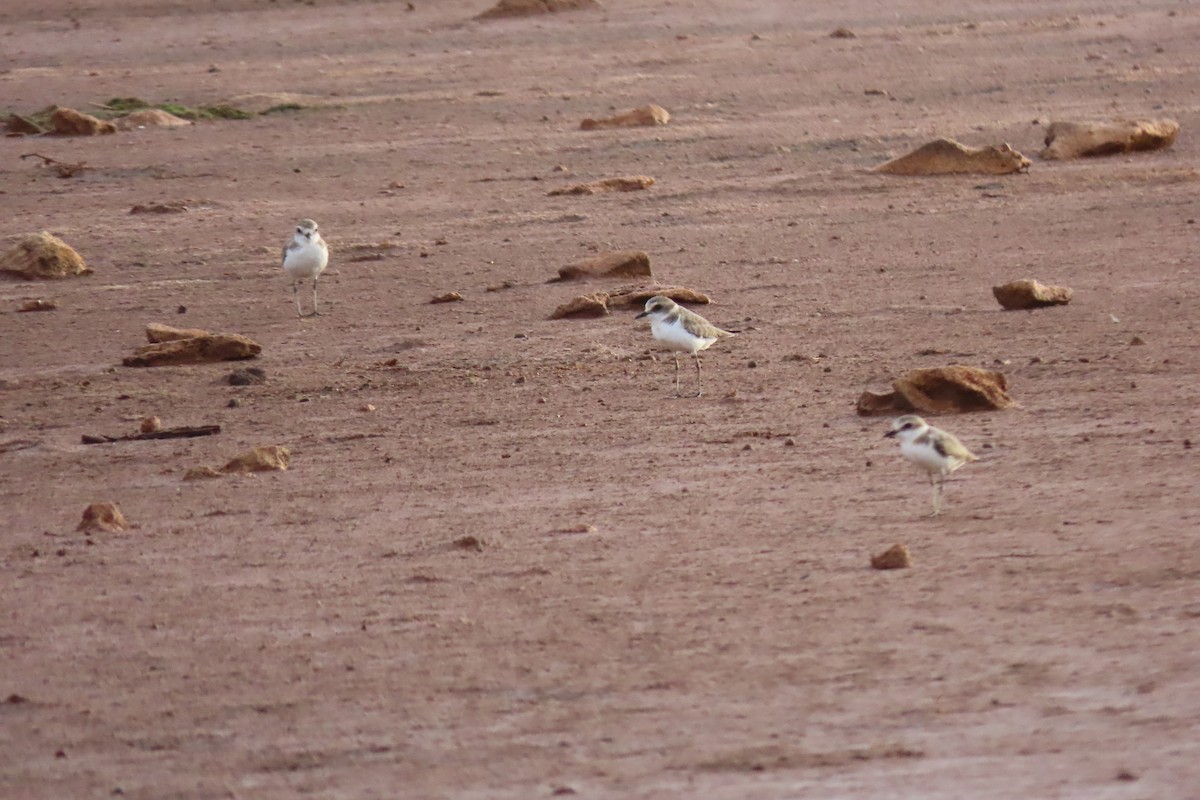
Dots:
{"x": 949, "y": 446}
{"x": 702, "y": 327}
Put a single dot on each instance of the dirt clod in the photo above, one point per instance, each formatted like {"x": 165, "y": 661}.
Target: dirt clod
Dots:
{"x": 636, "y": 296}
{"x": 195, "y": 350}
{"x": 150, "y": 118}
{"x": 250, "y": 376}
{"x": 895, "y": 557}
{"x": 1086, "y": 139}
{"x": 1027, "y": 294}
{"x": 640, "y": 117}
{"x": 954, "y": 389}
{"x": 527, "y": 8}
{"x": 43, "y": 256}
{"x": 103, "y": 517}
{"x": 948, "y": 157}
{"x": 271, "y": 458}
{"x": 448, "y": 297}
{"x": 150, "y": 425}
{"x": 619, "y": 264}
{"x": 69, "y": 122}
{"x": 583, "y": 306}
{"x": 157, "y": 332}
{"x": 38, "y": 304}
{"x": 629, "y": 184}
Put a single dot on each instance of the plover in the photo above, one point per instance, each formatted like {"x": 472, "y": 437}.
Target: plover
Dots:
{"x": 682, "y": 331}
{"x": 932, "y": 449}
{"x": 305, "y": 256}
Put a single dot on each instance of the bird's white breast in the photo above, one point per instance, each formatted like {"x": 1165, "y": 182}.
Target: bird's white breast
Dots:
{"x": 306, "y": 261}
{"x": 924, "y": 455}
{"x": 677, "y": 337}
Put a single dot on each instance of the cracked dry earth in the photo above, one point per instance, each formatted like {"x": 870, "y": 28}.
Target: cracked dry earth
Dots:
{"x": 664, "y": 598}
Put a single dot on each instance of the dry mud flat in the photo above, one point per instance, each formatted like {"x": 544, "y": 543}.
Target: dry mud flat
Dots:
{"x": 504, "y": 560}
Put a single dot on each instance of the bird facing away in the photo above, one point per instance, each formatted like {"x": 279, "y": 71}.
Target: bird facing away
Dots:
{"x": 305, "y": 256}
{"x": 932, "y": 449}
{"x": 682, "y": 331}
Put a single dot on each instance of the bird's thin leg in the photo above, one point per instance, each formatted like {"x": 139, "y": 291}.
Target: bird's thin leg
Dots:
{"x": 315, "y": 312}
{"x": 296, "y": 294}
{"x": 699, "y": 382}
{"x": 677, "y": 374}
{"x": 939, "y": 486}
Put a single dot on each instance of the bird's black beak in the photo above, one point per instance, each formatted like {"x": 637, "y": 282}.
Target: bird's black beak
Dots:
{"x": 889, "y": 434}
{"x": 643, "y": 314}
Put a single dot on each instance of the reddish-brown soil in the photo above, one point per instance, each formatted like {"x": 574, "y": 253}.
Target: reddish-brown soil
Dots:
{"x": 717, "y": 632}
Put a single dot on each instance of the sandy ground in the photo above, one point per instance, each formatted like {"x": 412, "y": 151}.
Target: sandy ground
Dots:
{"x": 716, "y": 632}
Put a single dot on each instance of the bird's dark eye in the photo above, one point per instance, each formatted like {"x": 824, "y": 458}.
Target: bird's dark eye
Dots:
{"x": 299, "y": 230}
{"x": 656, "y": 307}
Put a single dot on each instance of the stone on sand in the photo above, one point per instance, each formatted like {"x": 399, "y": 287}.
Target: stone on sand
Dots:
{"x": 150, "y": 118}
{"x": 1025, "y": 294}
{"x": 636, "y": 296}
{"x": 157, "y": 332}
{"x": 43, "y": 256}
{"x": 618, "y": 264}
{"x": 103, "y": 517}
{"x": 527, "y": 8}
{"x": 271, "y": 458}
{"x": 948, "y": 157}
{"x": 584, "y": 306}
{"x": 631, "y": 183}
{"x": 1083, "y": 139}
{"x": 895, "y": 557}
{"x": 954, "y": 389}
{"x": 69, "y": 122}
{"x": 641, "y": 117}
{"x": 195, "y": 350}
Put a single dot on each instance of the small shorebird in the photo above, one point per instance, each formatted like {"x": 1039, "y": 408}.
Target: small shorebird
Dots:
{"x": 932, "y": 449}
{"x": 682, "y": 331}
{"x": 305, "y": 256}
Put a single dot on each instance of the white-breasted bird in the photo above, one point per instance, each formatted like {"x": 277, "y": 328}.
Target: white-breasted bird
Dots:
{"x": 304, "y": 257}
{"x": 937, "y": 452}
{"x": 682, "y": 331}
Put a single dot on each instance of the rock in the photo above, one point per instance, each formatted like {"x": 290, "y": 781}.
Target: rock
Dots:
{"x": 43, "y": 256}
{"x": 476, "y": 543}
{"x": 250, "y": 376}
{"x": 940, "y": 390}
{"x": 150, "y": 118}
{"x": 1136, "y": 341}
{"x": 1025, "y": 294}
{"x": 948, "y": 157}
{"x": 151, "y": 424}
{"x": 157, "y": 332}
{"x": 159, "y": 208}
{"x": 69, "y": 122}
{"x": 619, "y": 264}
{"x": 22, "y": 125}
{"x": 103, "y": 517}
{"x": 40, "y": 304}
{"x": 1083, "y": 139}
{"x": 874, "y": 403}
{"x": 526, "y": 8}
{"x": 636, "y": 296}
{"x": 632, "y": 183}
{"x": 195, "y": 350}
{"x": 588, "y": 305}
{"x": 842, "y": 33}
{"x": 895, "y": 557}
{"x": 201, "y": 473}
{"x": 261, "y": 459}
{"x": 448, "y": 297}
{"x": 641, "y": 117}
